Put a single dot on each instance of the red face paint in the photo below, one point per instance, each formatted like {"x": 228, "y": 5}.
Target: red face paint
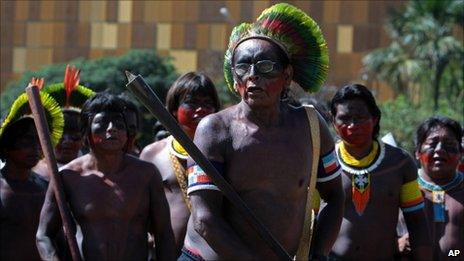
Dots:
{"x": 189, "y": 116}
{"x": 356, "y": 133}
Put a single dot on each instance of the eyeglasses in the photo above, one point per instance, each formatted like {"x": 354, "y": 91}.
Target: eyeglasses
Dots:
{"x": 262, "y": 67}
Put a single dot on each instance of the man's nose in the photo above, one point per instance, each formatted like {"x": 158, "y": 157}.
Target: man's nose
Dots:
{"x": 111, "y": 126}
{"x": 253, "y": 74}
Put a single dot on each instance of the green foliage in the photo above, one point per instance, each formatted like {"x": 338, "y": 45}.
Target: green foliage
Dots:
{"x": 106, "y": 74}
{"x": 423, "y": 51}
{"x": 401, "y": 117}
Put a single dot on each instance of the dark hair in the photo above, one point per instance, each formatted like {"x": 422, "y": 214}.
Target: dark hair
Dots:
{"x": 191, "y": 83}
{"x": 12, "y": 133}
{"x": 101, "y": 102}
{"x": 130, "y": 106}
{"x": 72, "y": 120}
{"x": 353, "y": 92}
{"x": 431, "y": 123}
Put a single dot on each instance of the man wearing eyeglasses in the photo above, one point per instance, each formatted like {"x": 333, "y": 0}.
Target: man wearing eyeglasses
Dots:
{"x": 262, "y": 146}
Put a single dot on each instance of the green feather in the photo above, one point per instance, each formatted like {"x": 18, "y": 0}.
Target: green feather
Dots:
{"x": 298, "y": 34}
{"x": 53, "y": 113}
{"x": 77, "y": 98}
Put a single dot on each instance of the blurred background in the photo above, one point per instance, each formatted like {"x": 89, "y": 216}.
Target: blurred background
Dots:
{"x": 409, "y": 53}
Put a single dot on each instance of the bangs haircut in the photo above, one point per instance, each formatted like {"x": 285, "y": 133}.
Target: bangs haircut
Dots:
{"x": 101, "y": 102}
{"x": 193, "y": 84}
{"x": 13, "y": 132}
{"x": 72, "y": 120}
{"x": 432, "y": 123}
{"x": 359, "y": 92}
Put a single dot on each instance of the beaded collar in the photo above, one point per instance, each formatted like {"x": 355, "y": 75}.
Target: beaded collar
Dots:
{"x": 361, "y": 171}
{"x": 458, "y": 178}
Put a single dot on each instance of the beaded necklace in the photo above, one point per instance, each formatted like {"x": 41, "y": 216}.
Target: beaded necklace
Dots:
{"x": 176, "y": 151}
{"x": 360, "y": 172}
{"x": 438, "y": 193}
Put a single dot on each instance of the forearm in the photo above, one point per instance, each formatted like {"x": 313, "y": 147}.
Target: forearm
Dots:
{"x": 46, "y": 247}
{"x": 165, "y": 246}
{"x": 222, "y": 239}
{"x": 419, "y": 236}
{"x": 327, "y": 227}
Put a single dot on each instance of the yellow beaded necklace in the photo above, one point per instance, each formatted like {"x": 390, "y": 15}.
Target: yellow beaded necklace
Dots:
{"x": 361, "y": 163}
{"x": 178, "y": 148}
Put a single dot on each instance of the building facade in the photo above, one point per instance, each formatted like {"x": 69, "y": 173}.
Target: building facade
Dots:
{"x": 195, "y": 33}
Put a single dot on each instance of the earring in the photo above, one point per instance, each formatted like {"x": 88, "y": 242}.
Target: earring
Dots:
{"x": 235, "y": 86}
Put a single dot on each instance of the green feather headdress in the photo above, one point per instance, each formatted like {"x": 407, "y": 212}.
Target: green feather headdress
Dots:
{"x": 297, "y": 34}
{"x": 69, "y": 93}
{"x": 20, "y": 108}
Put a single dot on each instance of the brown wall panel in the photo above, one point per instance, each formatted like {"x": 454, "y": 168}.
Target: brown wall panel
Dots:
{"x": 177, "y": 36}
{"x": 209, "y": 11}
{"x": 366, "y": 37}
{"x": 316, "y": 11}
{"x": 246, "y": 11}
{"x": 190, "y": 39}
{"x": 6, "y": 34}
{"x": 67, "y": 11}
{"x": 353, "y": 12}
{"x": 203, "y": 36}
{"x": 83, "y": 34}
{"x": 6, "y": 55}
{"x": 112, "y": 11}
{"x": 138, "y": 11}
{"x": 19, "y": 34}
{"x": 47, "y": 10}
{"x": 143, "y": 35}
{"x": 21, "y": 10}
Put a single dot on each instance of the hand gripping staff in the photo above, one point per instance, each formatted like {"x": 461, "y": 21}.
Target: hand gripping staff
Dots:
{"x": 55, "y": 181}
{"x": 148, "y": 98}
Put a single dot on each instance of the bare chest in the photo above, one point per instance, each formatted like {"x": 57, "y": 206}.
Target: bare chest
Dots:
{"x": 168, "y": 167}
{"x": 270, "y": 159}
{"x": 95, "y": 198}
{"x": 20, "y": 203}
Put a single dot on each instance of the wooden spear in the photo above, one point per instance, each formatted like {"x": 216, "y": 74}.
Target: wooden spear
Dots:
{"x": 145, "y": 94}
{"x": 55, "y": 181}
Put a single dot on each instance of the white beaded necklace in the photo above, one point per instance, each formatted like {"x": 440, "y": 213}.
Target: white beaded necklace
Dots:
{"x": 369, "y": 169}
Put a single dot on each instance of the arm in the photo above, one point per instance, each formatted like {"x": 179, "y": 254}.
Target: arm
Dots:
{"x": 49, "y": 226}
{"x": 160, "y": 219}
{"x": 331, "y": 191}
{"x": 209, "y": 224}
{"x": 207, "y": 214}
{"x": 414, "y": 213}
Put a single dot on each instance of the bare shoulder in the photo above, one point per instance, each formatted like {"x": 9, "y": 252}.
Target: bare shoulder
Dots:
{"x": 77, "y": 165}
{"x": 403, "y": 160}
{"x": 151, "y": 150}
{"x": 215, "y": 126}
{"x": 398, "y": 154}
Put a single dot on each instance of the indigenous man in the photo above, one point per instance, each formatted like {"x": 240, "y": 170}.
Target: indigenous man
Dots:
{"x": 378, "y": 179}
{"x": 191, "y": 97}
{"x": 22, "y": 192}
{"x": 438, "y": 149}
{"x": 71, "y": 96}
{"x": 115, "y": 198}
{"x": 250, "y": 145}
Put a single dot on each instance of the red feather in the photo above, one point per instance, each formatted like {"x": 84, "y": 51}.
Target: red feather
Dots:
{"x": 39, "y": 82}
{"x": 71, "y": 81}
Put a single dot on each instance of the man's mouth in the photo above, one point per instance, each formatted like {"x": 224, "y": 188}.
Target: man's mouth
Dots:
{"x": 254, "y": 89}
{"x": 438, "y": 160}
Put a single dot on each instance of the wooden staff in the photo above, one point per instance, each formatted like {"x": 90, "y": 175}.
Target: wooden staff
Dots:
{"x": 145, "y": 94}
{"x": 55, "y": 181}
